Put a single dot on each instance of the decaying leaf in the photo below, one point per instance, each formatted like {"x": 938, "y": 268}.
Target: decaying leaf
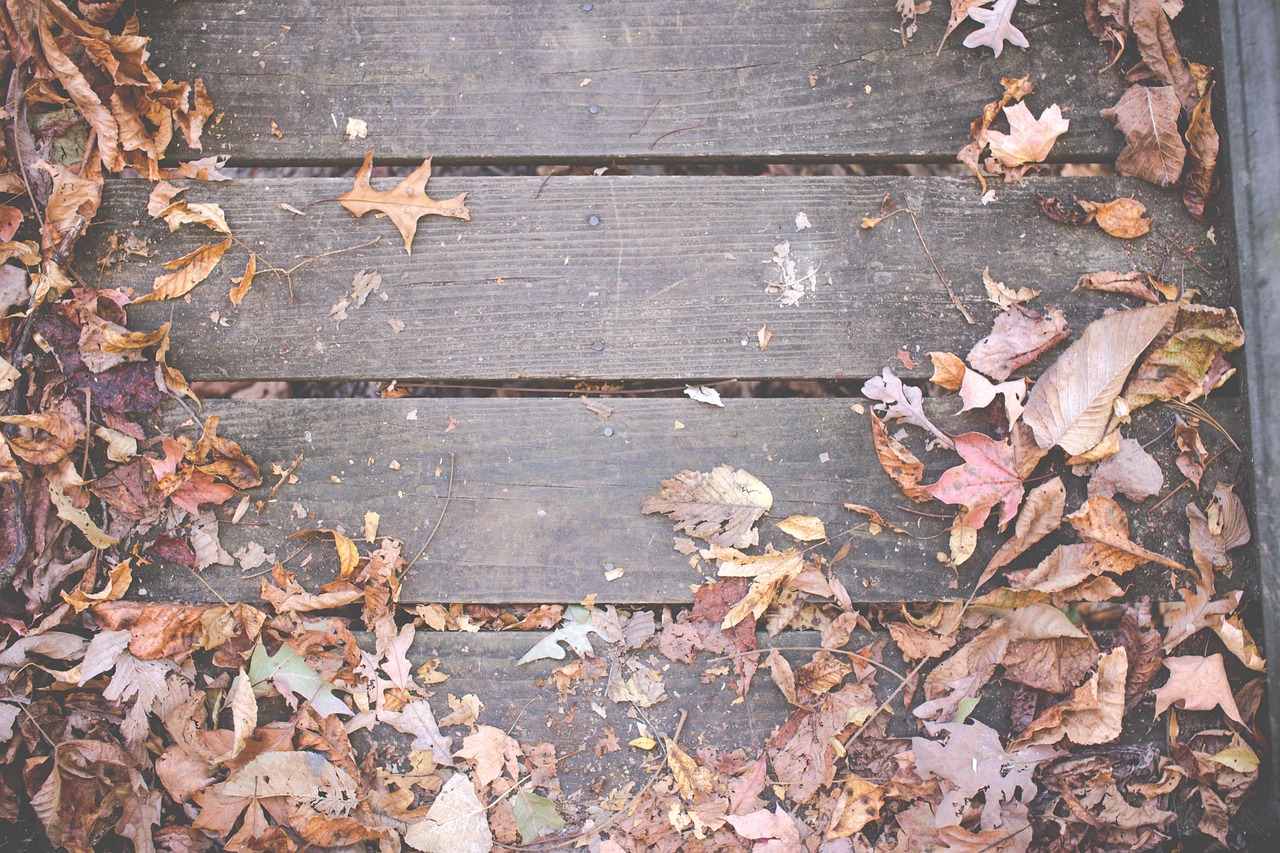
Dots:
{"x": 1070, "y": 404}
{"x": 769, "y": 573}
{"x": 188, "y": 271}
{"x": 404, "y": 204}
{"x": 1018, "y": 337}
{"x": 1201, "y": 180}
{"x": 721, "y": 506}
{"x": 805, "y": 528}
{"x": 1041, "y": 515}
{"x": 1188, "y": 363}
{"x": 457, "y": 821}
{"x": 573, "y": 631}
{"x": 1121, "y": 217}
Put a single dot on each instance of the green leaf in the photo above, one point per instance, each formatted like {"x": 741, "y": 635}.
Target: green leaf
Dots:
{"x": 290, "y": 675}
{"x": 534, "y": 815}
{"x": 965, "y": 708}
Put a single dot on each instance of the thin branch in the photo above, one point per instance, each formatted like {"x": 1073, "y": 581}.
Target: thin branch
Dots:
{"x": 453, "y": 461}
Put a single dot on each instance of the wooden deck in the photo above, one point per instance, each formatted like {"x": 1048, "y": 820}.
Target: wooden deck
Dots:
{"x": 642, "y": 279}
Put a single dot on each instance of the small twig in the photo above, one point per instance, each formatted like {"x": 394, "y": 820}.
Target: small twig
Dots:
{"x": 654, "y": 144}
{"x": 652, "y": 110}
{"x": 453, "y": 461}
{"x": 858, "y": 657}
{"x": 262, "y": 504}
{"x": 1185, "y": 253}
{"x": 955, "y": 300}
{"x": 1184, "y": 483}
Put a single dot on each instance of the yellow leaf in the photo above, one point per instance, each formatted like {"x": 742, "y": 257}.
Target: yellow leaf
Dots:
{"x": 645, "y": 743}
{"x": 245, "y": 281}
{"x": 117, "y": 585}
{"x": 1239, "y": 758}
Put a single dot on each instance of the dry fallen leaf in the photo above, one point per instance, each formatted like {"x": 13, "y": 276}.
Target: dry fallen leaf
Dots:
{"x": 899, "y": 463}
{"x": 1135, "y": 283}
{"x": 1201, "y": 181}
{"x": 189, "y": 270}
{"x": 245, "y": 281}
{"x": 1019, "y": 336}
{"x": 721, "y": 507}
{"x": 1003, "y": 295}
{"x": 806, "y": 528}
{"x": 1189, "y": 362}
{"x": 1121, "y": 217}
{"x": 1041, "y": 515}
{"x": 997, "y": 28}
{"x": 1093, "y": 714}
{"x": 404, "y": 204}
{"x": 1197, "y": 684}
{"x": 1132, "y": 471}
{"x": 1148, "y": 118}
{"x": 1070, "y": 404}
{"x": 1029, "y": 139}
{"x": 902, "y": 402}
{"x": 987, "y": 477}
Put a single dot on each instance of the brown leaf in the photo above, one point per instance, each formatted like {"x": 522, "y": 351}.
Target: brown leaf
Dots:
{"x": 189, "y": 270}
{"x": 1121, "y": 217}
{"x": 899, "y": 463}
{"x": 1135, "y": 283}
{"x": 917, "y": 643}
{"x": 118, "y": 582}
{"x": 1103, "y": 525}
{"x": 1054, "y": 664}
{"x": 1201, "y": 180}
{"x": 1188, "y": 363}
{"x": 245, "y": 281}
{"x": 805, "y": 528}
{"x": 1144, "y": 656}
{"x": 1041, "y": 515}
{"x": 769, "y": 574}
{"x": 1070, "y": 404}
{"x": 405, "y": 204}
{"x": 721, "y": 507}
{"x": 963, "y": 674}
{"x": 1191, "y": 452}
{"x": 1000, "y": 294}
{"x": 1093, "y": 714}
{"x": 63, "y": 427}
{"x": 1197, "y": 684}
{"x": 491, "y": 749}
{"x": 858, "y": 804}
{"x": 1018, "y": 337}
{"x": 1148, "y": 118}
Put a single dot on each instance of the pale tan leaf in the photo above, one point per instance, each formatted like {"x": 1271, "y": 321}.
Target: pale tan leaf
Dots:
{"x": 1029, "y": 139}
{"x": 1070, "y": 404}
{"x": 1001, "y": 294}
{"x": 806, "y": 528}
{"x": 1041, "y": 514}
{"x": 457, "y": 822}
{"x": 404, "y": 204}
{"x": 1148, "y": 118}
{"x": 721, "y": 507}
{"x": 244, "y": 715}
{"x": 1197, "y": 684}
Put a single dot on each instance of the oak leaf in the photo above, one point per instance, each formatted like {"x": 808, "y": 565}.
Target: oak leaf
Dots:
{"x": 902, "y": 402}
{"x": 997, "y": 28}
{"x": 721, "y": 507}
{"x": 404, "y": 204}
{"x": 1070, "y": 404}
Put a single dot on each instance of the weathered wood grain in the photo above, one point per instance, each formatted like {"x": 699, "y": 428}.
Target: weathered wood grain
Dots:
{"x": 1251, "y": 47}
{"x": 488, "y": 82}
{"x": 669, "y": 284}
{"x": 543, "y": 498}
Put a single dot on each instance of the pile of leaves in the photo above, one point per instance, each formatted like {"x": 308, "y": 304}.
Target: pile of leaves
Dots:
{"x": 166, "y": 726}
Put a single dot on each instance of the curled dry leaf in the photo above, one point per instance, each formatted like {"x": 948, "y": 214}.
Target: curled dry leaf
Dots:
{"x": 1121, "y": 217}
{"x": 769, "y": 573}
{"x": 1143, "y": 285}
{"x": 1093, "y": 714}
{"x": 1201, "y": 180}
{"x": 721, "y": 506}
{"x": 188, "y": 271}
{"x": 899, "y": 463}
{"x": 1191, "y": 451}
{"x": 1148, "y": 118}
{"x": 1041, "y": 515}
{"x": 1003, "y": 295}
{"x": 1070, "y": 404}
{"x": 902, "y": 402}
{"x": 404, "y": 204}
{"x": 244, "y": 282}
{"x": 963, "y": 674}
{"x": 1144, "y": 656}
{"x": 1019, "y": 336}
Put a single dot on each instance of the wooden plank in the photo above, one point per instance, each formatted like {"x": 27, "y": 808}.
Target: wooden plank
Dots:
{"x": 543, "y": 499}
{"x": 670, "y": 284}
{"x": 1251, "y": 47}
{"x": 478, "y": 81}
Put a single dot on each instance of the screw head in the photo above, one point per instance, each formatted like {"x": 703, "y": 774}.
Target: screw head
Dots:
{"x": 593, "y": 220}
{"x": 608, "y": 432}
{"x": 593, "y": 109}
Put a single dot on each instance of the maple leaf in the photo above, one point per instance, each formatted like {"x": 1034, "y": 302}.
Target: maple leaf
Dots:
{"x": 490, "y": 749}
{"x": 405, "y": 204}
{"x": 973, "y": 761}
{"x": 1148, "y": 118}
{"x": 1070, "y": 404}
{"x": 902, "y": 403}
{"x": 1019, "y": 336}
{"x": 997, "y": 27}
{"x": 987, "y": 477}
{"x": 1197, "y": 684}
{"x": 722, "y": 506}
{"x": 1029, "y": 139}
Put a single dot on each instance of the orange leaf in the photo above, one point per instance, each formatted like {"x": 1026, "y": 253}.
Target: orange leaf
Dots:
{"x": 405, "y": 204}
